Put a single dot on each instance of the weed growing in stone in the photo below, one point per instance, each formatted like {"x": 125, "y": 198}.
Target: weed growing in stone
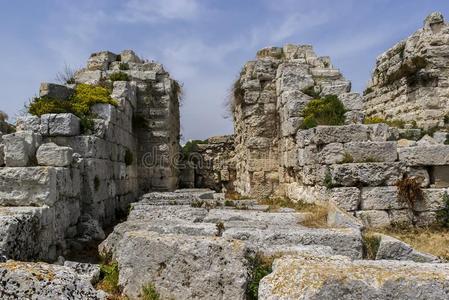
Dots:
{"x": 119, "y": 76}
{"x": 149, "y": 292}
{"x": 259, "y": 267}
{"x": 123, "y": 66}
{"x": 371, "y": 242}
{"x": 325, "y": 111}
{"x": 443, "y": 214}
{"x": 409, "y": 191}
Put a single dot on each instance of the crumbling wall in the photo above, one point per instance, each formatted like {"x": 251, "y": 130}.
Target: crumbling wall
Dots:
{"x": 64, "y": 179}
{"x": 214, "y": 164}
{"x": 269, "y": 98}
{"x": 410, "y": 80}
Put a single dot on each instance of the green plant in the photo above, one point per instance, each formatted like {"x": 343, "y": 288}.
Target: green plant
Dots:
{"x": 325, "y": 111}
{"x": 229, "y": 203}
{"x": 367, "y": 91}
{"x": 409, "y": 191}
{"x": 259, "y": 267}
{"x": 109, "y": 276}
{"x": 96, "y": 183}
{"x": 149, "y": 292}
{"x": 220, "y": 228}
{"x": 129, "y": 157}
{"x": 392, "y": 123}
{"x": 370, "y": 159}
{"x": 119, "y": 76}
{"x": 66, "y": 76}
{"x": 123, "y": 66}
{"x": 84, "y": 97}
{"x": 191, "y": 147}
{"x": 371, "y": 243}
{"x": 86, "y": 123}
{"x": 197, "y": 203}
{"x": 238, "y": 93}
{"x": 310, "y": 91}
{"x": 347, "y": 158}
{"x": 443, "y": 214}
{"x": 328, "y": 181}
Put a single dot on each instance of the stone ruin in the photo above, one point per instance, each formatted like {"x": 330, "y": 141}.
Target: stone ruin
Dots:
{"x": 61, "y": 186}
{"x": 410, "y": 80}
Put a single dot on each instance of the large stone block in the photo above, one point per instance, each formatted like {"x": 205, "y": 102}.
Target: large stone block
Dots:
{"x": 381, "y": 198}
{"x": 340, "y": 134}
{"x": 440, "y": 176}
{"x": 101, "y": 60}
{"x": 347, "y": 198}
{"x": 436, "y": 155}
{"x": 20, "y": 148}
{"x": 372, "y": 151}
{"x": 28, "y": 123}
{"x": 351, "y": 101}
{"x": 55, "y": 91}
{"x": 60, "y": 125}
{"x": 367, "y": 174}
{"x": 374, "y": 218}
{"x": 128, "y": 56}
{"x": 337, "y": 277}
{"x": 394, "y": 249}
{"x": 51, "y": 154}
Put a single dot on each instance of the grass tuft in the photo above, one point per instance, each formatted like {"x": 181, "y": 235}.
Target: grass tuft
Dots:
{"x": 149, "y": 292}
{"x": 259, "y": 267}
{"x": 325, "y": 111}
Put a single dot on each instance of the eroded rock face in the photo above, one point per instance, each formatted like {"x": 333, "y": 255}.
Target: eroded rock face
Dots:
{"x": 19, "y": 280}
{"x": 336, "y": 277}
{"x": 410, "y": 79}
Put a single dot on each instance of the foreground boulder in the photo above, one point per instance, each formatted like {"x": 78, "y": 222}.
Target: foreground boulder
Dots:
{"x": 337, "y": 277}
{"x": 19, "y": 280}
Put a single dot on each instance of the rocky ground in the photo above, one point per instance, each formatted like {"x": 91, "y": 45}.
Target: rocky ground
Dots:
{"x": 194, "y": 244}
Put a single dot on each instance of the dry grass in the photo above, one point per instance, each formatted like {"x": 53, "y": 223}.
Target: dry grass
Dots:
{"x": 317, "y": 214}
{"x": 434, "y": 240}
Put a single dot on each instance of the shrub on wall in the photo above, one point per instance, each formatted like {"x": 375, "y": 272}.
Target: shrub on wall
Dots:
{"x": 119, "y": 76}
{"x": 324, "y": 111}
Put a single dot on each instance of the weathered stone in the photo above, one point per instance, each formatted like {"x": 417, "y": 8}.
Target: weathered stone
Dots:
{"x": 55, "y": 91}
{"x": 425, "y": 155}
{"x": 440, "y": 176}
{"x": 60, "y": 125}
{"x": 336, "y": 277}
{"x": 90, "y": 272}
{"x": 101, "y": 60}
{"x": 20, "y": 148}
{"x": 28, "y": 123}
{"x": 394, "y": 249}
{"x": 381, "y": 198}
{"x": 128, "y": 56}
{"x": 368, "y": 174}
{"x": 347, "y": 198}
{"x": 50, "y": 154}
{"x": 22, "y": 280}
{"x": 371, "y": 151}
{"x": 374, "y": 218}
{"x": 205, "y": 267}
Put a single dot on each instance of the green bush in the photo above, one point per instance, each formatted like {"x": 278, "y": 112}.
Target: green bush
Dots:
{"x": 259, "y": 268}
{"x": 325, "y": 111}
{"x": 391, "y": 123}
{"x": 328, "y": 181}
{"x": 79, "y": 104}
{"x": 119, "y": 76}
{"x": 149, "y": 292}
{"x": 310, "y": 91}
{"x": 190, "y": 147}
{"x": 124, "y": 66}
{"x": 109, "y": 275}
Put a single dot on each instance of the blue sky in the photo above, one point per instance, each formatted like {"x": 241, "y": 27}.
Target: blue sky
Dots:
{"x": 203, "y": 43}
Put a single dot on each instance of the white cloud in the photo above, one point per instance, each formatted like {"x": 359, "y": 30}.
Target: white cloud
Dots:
{"x": 159, "y": 10}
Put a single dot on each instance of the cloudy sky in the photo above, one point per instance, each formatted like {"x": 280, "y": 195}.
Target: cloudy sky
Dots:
{"x": 203, "y": 43}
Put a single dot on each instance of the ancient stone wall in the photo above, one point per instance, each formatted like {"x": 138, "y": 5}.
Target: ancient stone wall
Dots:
{"x": 64, "y": 181}
{"x": 214, "y": 164}
{"x": 269, "y": 98}
{"x": 411, "y": 80}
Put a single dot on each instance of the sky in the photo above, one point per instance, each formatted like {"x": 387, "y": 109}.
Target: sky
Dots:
{"x": 202, "y": 43}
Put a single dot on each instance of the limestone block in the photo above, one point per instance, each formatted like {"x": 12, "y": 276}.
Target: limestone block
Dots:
{"x": 337, "y": 87}
{"x": 325, "y": 72}
{"x": 60, "y": 125}
{"x": 20, "y": 148}
{"x": 307, "y": 156}
{"x": 50, "y": 154}
{"x": 258, "y": 143}
{"x": 425, "y": 155}
{"x": 28, "y": 123}
{"x": 372, "y": 151}
{"x": 380, "y": 132}
{"x": 26, "y": 280}
{"x": 354, "y": 117}
{"x": 88, "y": 76}
{"x": 406, "y": 143}
{"x": 55, "y": 91}
{"x": 331, "y": 154}
{"x": 440, "y": 176}
{"x": 340, "y": 134}
{"x": 347, "y": 198}
{"x": 294, "y": 76}
{"x": 368, "y": 174}
{"x": 104, "y": 111}
{"x": 128, "y": 56}
{"x": 305, "y": 137}
{"x": 394, "y": 249}
{"x": 420, "y": 174}
{"x": 291, "y": 125}
{"x": 440, "y": 137}
{"x": 101, "y": 60}
{"x": 381, "y": 198}
{"x": 351, "y": 101}
{"x": 336, "y": 277}
{"x": 413, "y": 134}
{"x": 432, "y": 200}
{"x": 141, "y": 75}
{"x": 374, "y": 218}
{"x": 213, "y": 267}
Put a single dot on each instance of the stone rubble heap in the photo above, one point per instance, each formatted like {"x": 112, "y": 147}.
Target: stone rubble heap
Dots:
{"x": 410, "y": 80}
{"x": 62, "y": 184}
